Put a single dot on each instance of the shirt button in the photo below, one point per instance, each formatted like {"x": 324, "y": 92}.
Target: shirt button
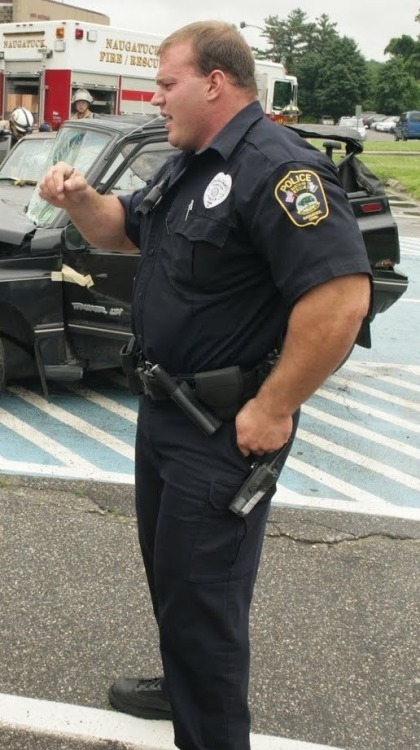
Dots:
{"x": 151, "y": 251}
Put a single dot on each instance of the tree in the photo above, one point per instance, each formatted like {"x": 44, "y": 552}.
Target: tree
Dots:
{"x": 319, "y": 57}
{"x": 342, "y": 79}
{"x": 396, "y": 90}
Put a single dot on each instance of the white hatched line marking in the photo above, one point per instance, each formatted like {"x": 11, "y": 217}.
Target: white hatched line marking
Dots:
{"x": 355, "y": 367}
{"x": 286, "y": 497}
{"x": 396, "y": 400}
{"x": 416, "y": 240}
{"x": 44, "y": 442}
{"x": 358, "y": 458}
{"x": 409, "y": 299}
{"x": 104, "y": 402}
{"x": 375, "y": 437}
{"x": 414, "y": 369}
{"x": 348, "y": 402}
{"x": 65, "y": 472}
{"x": 336, "y": 484}
{"x": 75, "y": 422}
{"x": 408, "y": 251}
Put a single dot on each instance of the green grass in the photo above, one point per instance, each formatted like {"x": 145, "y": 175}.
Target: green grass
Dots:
{"x": 397, "y": 166}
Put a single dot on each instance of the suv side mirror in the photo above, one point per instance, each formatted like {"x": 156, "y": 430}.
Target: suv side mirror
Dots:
{"x": 73, "y": 240}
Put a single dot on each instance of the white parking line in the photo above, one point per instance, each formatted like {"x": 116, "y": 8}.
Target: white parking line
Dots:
{"x": 32, "y": 435}
{"x": 396, "y": 400}
{"x": 75, "y": 422}
{"x": 356, "y": 367}
{"x": 64, "y": 472}
{"x": 358, "y": 458}
{"x": 364, "y": 432}
{"x": 87, "y": 724}
{"x": 104, "y": 402}
{"x": 344, "y": 400}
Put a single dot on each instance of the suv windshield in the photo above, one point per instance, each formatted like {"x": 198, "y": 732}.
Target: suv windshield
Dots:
{"x": 80, "y": 148}
{"x": 26, "y": 163}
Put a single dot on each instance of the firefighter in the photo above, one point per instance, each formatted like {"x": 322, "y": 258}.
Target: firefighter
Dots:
{"x": 82, "y": 98}
{"x": 20, "y": 122}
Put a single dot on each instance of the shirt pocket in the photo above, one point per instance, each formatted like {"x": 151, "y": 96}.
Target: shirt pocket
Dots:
{"x": 199, "y": 250}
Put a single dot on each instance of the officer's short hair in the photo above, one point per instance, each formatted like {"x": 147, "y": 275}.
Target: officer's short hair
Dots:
{"x": 218, "y": 46}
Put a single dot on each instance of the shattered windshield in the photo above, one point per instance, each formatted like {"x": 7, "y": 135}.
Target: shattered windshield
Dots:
{"x": 26, "y": 163}
{"x": 81, "y": 149}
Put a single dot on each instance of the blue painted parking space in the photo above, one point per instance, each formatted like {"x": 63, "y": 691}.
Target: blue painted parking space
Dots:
{"x": 357, "y": 448}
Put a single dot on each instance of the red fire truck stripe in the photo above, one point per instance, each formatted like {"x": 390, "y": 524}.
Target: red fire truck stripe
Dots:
{"x": 136, "y": 96}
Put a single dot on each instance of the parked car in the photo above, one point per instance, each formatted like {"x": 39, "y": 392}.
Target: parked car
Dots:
{"x": 370, "y": 120}
{"x": 407, "y": 126}
{"x": 387, "y": 125}
{"x": 66, "y": 306}
{"x": 353, "y": 122}
{"x": 23, "y": 167}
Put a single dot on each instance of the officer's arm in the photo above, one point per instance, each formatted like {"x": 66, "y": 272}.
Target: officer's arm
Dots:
{"x": 99, "y": 218}
{"x": 322, "y": 328}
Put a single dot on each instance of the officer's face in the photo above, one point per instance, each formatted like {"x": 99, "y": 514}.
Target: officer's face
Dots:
{"x": 182, "y": 97}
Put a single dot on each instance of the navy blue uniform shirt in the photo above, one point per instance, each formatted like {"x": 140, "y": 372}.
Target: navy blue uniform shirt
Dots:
{"x": 245, "y": 227}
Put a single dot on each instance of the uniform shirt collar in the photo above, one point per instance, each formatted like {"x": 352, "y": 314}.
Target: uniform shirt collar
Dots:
{"x": 228, "y": 138}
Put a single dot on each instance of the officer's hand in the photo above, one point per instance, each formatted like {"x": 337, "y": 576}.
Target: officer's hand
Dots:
{"x": 62, "y": 185}
{"x": 258, "y": 431}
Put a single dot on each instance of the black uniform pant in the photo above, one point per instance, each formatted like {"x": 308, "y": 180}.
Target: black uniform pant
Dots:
{"x": 201, "y": 562}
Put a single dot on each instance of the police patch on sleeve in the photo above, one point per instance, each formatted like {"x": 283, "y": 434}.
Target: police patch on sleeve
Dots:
{"x": 301, "y": 195}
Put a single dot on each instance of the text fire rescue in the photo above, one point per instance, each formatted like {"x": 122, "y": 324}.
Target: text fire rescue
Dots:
{"x": 146, "y": 56}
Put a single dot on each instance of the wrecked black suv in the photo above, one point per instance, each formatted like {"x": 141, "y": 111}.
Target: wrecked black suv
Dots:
{"x": 65, "y": 306}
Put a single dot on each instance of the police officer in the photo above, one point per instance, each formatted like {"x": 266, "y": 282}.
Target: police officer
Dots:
{"x": 82, "y": 98}
{"x": 248, "y": 244}
{"x": 20, "y": 123}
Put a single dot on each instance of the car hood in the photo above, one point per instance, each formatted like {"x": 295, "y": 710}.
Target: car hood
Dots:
{"x": 14, "y": 224}
{"x": 14, "y": 194}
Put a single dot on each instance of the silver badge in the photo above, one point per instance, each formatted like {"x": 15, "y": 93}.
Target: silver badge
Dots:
{"x": 217, "y": 190}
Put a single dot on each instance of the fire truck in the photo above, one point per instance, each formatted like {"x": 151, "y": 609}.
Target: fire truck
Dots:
{"x": 43, "y": 63}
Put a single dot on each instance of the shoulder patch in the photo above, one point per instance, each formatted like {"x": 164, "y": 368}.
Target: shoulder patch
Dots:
{"x": 301, "y": 195}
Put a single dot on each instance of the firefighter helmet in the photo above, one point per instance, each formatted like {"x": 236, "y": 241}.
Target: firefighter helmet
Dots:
{"x": 82, "y": 95}
{"x": 22, "y": 119}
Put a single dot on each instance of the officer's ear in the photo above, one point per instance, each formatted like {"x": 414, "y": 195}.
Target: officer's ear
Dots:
{"x": 215, "y": 84}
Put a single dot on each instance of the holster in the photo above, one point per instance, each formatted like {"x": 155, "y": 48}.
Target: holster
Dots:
{"x": 225, "y": 391}
{"x": 129, "y": 356}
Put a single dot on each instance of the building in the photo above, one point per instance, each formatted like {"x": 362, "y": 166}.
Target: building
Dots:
{"x": 46, "y": 10}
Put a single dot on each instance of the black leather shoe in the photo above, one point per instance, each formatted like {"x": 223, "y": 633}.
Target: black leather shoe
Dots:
{"x": 145, "y": 698}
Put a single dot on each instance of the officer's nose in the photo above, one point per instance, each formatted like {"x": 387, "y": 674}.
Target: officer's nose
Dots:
{"x": 157, "y": 99}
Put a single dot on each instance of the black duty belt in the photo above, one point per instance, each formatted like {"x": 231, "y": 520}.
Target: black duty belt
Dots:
{"x": 224, "y": 390}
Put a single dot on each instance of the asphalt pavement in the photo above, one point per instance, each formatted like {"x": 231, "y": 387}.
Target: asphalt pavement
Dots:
{"x": 335, "y": 624}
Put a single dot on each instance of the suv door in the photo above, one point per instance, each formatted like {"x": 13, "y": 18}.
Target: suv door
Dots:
{"x": 400, "y": 128}
{"x": 97, "y": 304}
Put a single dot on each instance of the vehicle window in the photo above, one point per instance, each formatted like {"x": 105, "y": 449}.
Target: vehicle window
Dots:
{"x": 80, "y": 148}
{"x": 140, "y": 170}
{"x": 27, "y": 161}
{"x": 415, "y": 117}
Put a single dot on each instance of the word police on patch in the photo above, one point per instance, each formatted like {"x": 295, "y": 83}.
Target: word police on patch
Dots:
{"x": 301, "y": 194}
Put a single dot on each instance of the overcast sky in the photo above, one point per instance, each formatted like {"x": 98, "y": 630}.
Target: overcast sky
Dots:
{"x": 371, "y": 23}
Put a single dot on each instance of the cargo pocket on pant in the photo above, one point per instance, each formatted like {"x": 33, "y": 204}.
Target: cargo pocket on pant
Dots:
{"x": 218, "y": 538}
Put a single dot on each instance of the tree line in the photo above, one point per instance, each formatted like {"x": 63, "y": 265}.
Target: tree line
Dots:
{"x": 334, "y": 76}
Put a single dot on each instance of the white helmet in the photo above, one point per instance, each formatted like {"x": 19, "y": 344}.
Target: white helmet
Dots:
{"x": 82, "y": 95}
{"x": 22, "y": 119}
